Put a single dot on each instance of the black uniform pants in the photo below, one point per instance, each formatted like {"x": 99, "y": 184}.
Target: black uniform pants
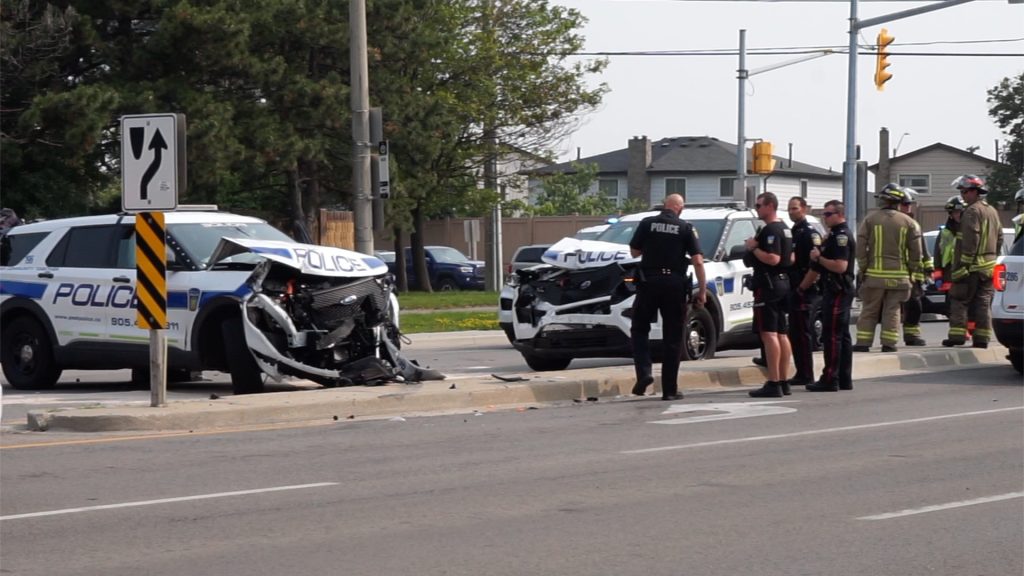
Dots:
{"x": 667, "y": 295}
{"x": 802, "y": 306}
{"x": 835, "y": 337}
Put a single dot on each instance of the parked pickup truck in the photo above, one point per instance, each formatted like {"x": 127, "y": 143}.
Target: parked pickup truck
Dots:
{"x": 449, "y": 269}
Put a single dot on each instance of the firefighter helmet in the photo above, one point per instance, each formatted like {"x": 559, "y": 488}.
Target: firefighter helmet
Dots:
{"x": 955, "y": 203}
{"x": 969, "y": 181}
{"x": 893, "y": 194}
{"x": 1019, "y": 197}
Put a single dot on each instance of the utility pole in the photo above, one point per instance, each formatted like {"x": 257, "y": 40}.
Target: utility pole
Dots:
{"x": 850, "y": 164}
{"x": 740, "y": 189}
{"x": 362, "y": 205}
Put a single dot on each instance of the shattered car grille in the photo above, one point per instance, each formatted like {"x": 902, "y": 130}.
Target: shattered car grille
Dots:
{"x": 333, "y": 306}
{"x": 579, "y": 285}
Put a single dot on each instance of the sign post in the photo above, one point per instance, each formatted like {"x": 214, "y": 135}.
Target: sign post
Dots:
{"x": 152, "y": 172}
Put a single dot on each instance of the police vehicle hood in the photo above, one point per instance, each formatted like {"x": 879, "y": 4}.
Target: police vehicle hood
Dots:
{"x": 306, "y": 258}
{"x": 575, "y": 254}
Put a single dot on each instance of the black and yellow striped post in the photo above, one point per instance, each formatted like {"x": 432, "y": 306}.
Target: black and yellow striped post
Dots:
{"x": 151, "y": 296}
{"x": 151, "y": 270}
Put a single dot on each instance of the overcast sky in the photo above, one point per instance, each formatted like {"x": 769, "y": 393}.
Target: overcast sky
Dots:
{"x": 933, "y": 98}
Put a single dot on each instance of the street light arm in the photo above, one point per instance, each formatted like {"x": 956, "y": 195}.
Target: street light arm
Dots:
{"x": 789, "y": 63}
{"x": 907, "y": 13}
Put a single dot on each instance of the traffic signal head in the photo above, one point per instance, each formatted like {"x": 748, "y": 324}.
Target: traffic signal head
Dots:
{"x": 763, "y": 161}
{"x": 881, "y": 76}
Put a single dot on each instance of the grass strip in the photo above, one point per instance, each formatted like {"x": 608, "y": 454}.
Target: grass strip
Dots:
{"x": 449, "y": 322}
{"x": 442, "y": 300}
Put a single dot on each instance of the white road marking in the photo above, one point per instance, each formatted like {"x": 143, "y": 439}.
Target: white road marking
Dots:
{"x": 818, "y": 431}
{"x": 937, "y": 507}
{"x": 727, "y": 411}
{"x": 165, "y": 500}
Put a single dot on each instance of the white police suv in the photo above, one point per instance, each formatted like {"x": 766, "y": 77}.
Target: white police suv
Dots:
{"x": 242, "y": 297}
{"x": 579, "y": 305}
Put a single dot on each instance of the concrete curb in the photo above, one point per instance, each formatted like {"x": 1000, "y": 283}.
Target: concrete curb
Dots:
{"x": 461, "y": 395}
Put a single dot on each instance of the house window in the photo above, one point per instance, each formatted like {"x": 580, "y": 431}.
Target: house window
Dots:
{"x": 803, "y": 189}
{"x": 725, "y": 187}
{"x": 609, "y": 189}
{"x": 675, "y": 186}
{"x": 919, "y": 182}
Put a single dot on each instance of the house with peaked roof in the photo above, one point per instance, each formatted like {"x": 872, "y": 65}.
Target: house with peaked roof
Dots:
{"x": 700, "y": 168}
{"x": 928, "y": 170}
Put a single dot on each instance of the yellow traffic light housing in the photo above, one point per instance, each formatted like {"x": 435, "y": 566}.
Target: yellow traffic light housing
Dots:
{"x": 764, "y": 163}
{"x": 881, "y": 76}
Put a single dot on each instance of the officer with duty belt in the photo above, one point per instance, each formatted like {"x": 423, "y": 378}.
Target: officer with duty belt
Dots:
{"x": 805, "y": 297}
{"x": 663, "y": 242}
{"x": 833, "y": 268}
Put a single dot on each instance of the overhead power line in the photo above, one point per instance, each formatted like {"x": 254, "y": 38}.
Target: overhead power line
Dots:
{"x": 789, "y": 50}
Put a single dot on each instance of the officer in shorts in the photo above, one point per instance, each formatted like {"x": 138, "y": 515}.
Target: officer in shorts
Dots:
{"x": 770, "y": 255}
{"x": 663, "y": 243}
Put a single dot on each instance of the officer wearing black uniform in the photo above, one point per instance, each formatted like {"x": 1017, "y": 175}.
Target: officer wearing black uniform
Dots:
{"x": 770, "y": 255}
{"x": 834, "y": 265}
{"x": 663, "y": 243}
{"x": 803, "y": 303}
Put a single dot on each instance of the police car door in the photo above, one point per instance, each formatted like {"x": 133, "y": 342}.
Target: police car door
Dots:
{"x": 728, "y": 277}
{"x": 84, "y": 286}
{"x": 124, "y": 319}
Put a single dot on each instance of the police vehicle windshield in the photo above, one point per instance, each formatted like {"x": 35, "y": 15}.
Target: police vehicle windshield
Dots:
{"x": 200, "y": 239}
{"x": 709, "y": 232}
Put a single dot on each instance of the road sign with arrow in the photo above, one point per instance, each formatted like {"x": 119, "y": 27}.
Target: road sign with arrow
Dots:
{"x": 152, "y": 161}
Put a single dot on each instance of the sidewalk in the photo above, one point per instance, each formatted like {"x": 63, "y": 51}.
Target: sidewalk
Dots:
{"x": 465, "y": 395}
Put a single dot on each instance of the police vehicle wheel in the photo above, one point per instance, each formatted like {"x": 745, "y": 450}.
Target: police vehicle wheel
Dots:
{"x": 27, "y": 355}
{"x": 546, "y": 364}
{"x": 510, "y": 332}
{"x": 246, "y": 376}
{"x": 447, "y": 285}
{"x": 699, "y": 335}
{"x": 1017, "y": 359}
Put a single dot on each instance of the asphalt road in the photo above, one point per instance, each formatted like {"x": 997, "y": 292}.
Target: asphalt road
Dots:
{"x": 921, "y": 475}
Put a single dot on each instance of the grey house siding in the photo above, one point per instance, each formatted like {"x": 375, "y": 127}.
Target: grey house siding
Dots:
{"x": 941, "y": 164}
{"x": 643, "y": 167}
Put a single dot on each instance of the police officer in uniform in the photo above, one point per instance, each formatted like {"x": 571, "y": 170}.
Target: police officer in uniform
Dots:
{"x": 833, "y": 264}
{"x": 770, "y": 255}
{"x": 663, "y": 242}
{"x": 913, "y": 308}
{"x": 805, "y": 297}
{"x": 974, "y": 259}
{"x": 888, "y": 254}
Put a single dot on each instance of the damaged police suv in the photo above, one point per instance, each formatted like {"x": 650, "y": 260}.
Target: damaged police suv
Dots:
{"x": 242, "y": 298}
{"x": 579, "y": 304}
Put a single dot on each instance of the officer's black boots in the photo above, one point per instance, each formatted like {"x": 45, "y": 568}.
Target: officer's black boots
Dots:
{"x": 784, "y": 387}
{"x": 642, "y": 382}
{"x": 823, "y": 387}
{"x": 769, "y": 390}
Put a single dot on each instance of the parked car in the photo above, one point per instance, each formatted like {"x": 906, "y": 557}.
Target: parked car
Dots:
{"x": 1008, "y": 303}
{"x": 934, "y": 299}
{"x": 242, "y": 298}
{"x": 590, "y": 232}
{"x": 579, "y": 304}
{"x": 448, "y": 268}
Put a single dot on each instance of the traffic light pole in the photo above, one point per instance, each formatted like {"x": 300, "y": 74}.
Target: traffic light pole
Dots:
{"x": 362, "y": 205}
{"x": 850, "y": 164}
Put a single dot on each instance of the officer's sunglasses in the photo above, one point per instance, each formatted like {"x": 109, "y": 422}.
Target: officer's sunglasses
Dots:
{"x": 826, "y": 214}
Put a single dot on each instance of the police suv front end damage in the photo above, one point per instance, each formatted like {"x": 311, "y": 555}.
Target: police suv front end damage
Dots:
{"x": 325, "y": 314}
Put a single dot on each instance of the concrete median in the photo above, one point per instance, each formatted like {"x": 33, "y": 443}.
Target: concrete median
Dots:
{"x": 464, "y": 395}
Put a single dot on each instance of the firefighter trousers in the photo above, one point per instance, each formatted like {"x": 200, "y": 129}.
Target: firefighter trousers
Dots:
{"x": 971, "y": 297}
{"x": 880, "y": 304}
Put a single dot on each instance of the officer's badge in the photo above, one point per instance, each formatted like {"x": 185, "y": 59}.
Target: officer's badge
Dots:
{"x": 771, "y": 239}
{"x": 816, "y": 239}
{"x": 842, "y": 239}
{"x": 787, "y": 233}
